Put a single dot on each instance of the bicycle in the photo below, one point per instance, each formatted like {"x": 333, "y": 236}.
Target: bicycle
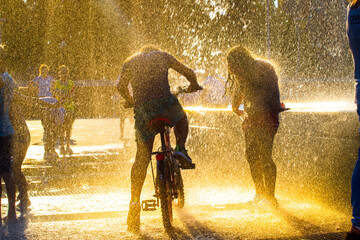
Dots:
{"x": 168, "y": 183}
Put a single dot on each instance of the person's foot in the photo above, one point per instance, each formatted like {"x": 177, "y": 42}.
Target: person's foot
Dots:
{"x": 69, "y": 151}
{"x": 10, "y": 218}
{"x": 51, "y": 156}
{"x": 257, "y": 198}
{"x": 354, "y": 234}
{"x": 133, "y": 218}
{"x": 265, "y": 201}
{"x": 55, "y": 155}
{"x": 183, "y": 157}
{"x": 47, "y": 156}
{"x": 24, "y": 205}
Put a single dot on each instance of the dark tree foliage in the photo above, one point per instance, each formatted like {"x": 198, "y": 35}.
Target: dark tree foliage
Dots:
{"x": 94, "y": 37}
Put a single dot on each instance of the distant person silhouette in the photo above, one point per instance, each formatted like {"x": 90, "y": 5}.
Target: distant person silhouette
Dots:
{"x": 353, "y": 33}
{"x": 21, "y": 141}
{"x": 147, "y": 73}
{"x": 6, "y": 134}
{"x": 254, "y": 83}
{"x": 64, "y": 91}
{"x": 20, "y": 145}
{"x": 214, "y": 91}
{"x": 42, "y": 85}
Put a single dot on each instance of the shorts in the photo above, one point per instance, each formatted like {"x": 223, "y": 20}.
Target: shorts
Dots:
{"x": 168, "y": 107}
{"x": 5, "y": 154}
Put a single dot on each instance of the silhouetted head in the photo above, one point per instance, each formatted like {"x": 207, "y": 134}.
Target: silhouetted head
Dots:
{"x": 43, "y": 69}
{"x": 240, "y": 61}
{"x": 149, "y": 49}
{"x": 240, "y": 66}
{"x": 63, "y": 72}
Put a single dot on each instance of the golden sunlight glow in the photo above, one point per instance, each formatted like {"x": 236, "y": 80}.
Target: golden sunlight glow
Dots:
{"x": 206, "y": 109}
{"x": 339, "y": 106}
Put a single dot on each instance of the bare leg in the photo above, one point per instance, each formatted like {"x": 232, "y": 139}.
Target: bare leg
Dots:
{"x": 181, "y": 131}
{"x": 122, "y": 126}
{"x": 252, "y": 153}
{"x": 61, "y": 138}
{"x": 69, "y": 121}
{"x": 10, "y": 190}
{"x": 20, "y": 180}
{"x": 138, "y": 170}
{"x": 138, "y": 174}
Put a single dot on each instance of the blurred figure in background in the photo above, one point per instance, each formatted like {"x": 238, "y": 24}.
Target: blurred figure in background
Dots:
{"x": 255, "y": 84}
{"x": 353, "y": 33}
{"x": 6, "y": 134}
{"x": 42, "y": 86}
{"x": 42, "y": 83}
{"x": 213, "y": 94}
{"x": 64, "y": 91}
{"x": 20, "y": 145}
{"x": 21, "y": 141}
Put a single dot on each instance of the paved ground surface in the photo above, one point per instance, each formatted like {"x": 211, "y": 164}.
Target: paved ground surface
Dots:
{"x": 86, "y": 197}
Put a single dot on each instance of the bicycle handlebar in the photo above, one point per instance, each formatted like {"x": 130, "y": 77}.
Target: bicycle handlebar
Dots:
{"x": 188, "y": 89}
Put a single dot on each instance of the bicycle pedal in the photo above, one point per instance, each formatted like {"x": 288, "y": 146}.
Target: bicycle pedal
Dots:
{"x": 192, "y": 166}
{"x": 149, "y": 205}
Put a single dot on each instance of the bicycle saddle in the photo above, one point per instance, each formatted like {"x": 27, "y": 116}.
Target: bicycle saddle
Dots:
{"x": 159, "y": 123}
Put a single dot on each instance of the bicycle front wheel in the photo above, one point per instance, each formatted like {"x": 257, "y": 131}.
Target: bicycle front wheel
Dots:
{"x": 165, "y": 198}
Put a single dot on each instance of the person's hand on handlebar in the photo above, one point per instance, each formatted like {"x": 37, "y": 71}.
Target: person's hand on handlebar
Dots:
{"x": 194, "y": 88}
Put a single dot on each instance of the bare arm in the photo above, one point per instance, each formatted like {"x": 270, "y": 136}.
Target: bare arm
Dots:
{"x": 30, "y": 101}
{"x": 1, "y": 82}
{"x": 236, "y": 101}
{"x": 186, "y": 72}
{"x": 122, "y": 87}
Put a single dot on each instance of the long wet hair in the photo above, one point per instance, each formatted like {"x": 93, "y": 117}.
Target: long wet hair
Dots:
{"x": 239, "y": 57}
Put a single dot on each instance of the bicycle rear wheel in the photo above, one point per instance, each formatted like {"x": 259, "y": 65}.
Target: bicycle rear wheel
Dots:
{"x": 180, "y": 201}
{"x": 165, "y": 196}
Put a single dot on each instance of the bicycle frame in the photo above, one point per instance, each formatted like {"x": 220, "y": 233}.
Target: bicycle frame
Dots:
{"x": 165, "y": 169}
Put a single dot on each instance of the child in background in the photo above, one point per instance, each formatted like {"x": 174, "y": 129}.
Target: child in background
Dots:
{"x": 64, "y": 91}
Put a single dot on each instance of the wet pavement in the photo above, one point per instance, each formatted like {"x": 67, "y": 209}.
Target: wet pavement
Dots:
{"x": 86, "y": 196}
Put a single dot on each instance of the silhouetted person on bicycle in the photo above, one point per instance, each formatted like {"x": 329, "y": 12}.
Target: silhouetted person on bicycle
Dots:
{"x": 254, "y": 83}
{"x": 147, "y": 72}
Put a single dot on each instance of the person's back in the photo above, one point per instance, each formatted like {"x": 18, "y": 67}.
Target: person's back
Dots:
{"x": 147, "y": 72}
{"x": 353, "y": 32}
{"x": 149, "y": 75}
{"x": 261, "y": 94}
{"x": 6, "y": 93}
